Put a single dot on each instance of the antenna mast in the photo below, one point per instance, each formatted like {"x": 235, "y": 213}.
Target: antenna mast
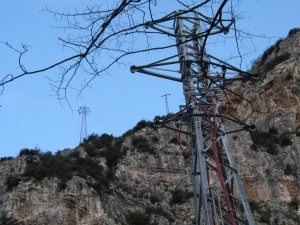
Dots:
{"x": 219, "y": 195}
{"x": 83, "y": 110}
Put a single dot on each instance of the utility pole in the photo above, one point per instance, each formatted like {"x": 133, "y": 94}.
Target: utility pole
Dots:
{"x": 166, "y": 100}
{"x": 84, "y": 111}
{"x": 219, "y": 195}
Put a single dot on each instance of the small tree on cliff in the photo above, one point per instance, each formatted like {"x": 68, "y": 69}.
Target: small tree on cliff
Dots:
{"x": 7, "y": 220}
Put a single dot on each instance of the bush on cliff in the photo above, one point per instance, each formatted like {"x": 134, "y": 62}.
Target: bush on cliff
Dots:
{"x": 12, "y": 181}
{"x": 8, "y": 220}
{"x": 64, "y": 168}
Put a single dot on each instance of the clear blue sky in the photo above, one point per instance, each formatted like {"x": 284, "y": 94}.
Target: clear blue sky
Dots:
{"x": 31, "y": 116}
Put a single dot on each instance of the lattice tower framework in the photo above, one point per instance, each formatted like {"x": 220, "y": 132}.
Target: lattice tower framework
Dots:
{"x": 84, "y": 111}
{"x": 219, "y": 195}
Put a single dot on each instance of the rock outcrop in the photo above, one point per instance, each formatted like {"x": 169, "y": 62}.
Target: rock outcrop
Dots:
{"x": 268, "y": 157}
{"x": 151, "y": 182}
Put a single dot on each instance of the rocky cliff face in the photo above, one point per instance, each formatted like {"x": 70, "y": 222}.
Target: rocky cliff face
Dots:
{"x": 268, "y": 157}
{"x": 146, "y": 182}
{"x": 145, "y": 175}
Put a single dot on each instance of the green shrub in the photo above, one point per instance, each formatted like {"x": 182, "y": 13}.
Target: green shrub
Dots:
{"x": 268, "y": 52}
{"x": 285, "y": 140}
{"x": 277, "y": 60}
{"x": 8, "y": 220}
{"x": 3, "y": 159}
{"x": 100, "y": 186}
{"x": 138, "y": 218}
{"x": 85, "y": 168}
{"x": 184, "y": 143}
{"x": 293, "y": 31}
{"x": 269, "y": 140}
{"x": 74, "y": 154}
{"x": 155, "y": 139}
{"x": 98, "y": 142}
{"x": 289, "y": 77}
{"x": 105, "y": 140}
{"x": 180, "y": 196}
{"x": 254, "y": 206}
{"x": 155, "y": 199}
{"x": 140, "y": 125}
{"x": 12, "y": 181}
{"x": 35, "y": 170}
{"x": 105, "y": 146}
{"x": 276, "y": 221}
{"x": 118, "y": 142}
{"x": 160, "y": 211}
{"x": 113, "y": 155}
{"x": 49, "y": 166}
{"x": 26, "y": 151}
{"x": 138, "y": 141}
{"x": 142, "y": 144}
{"x": 265, "y": 216}
{"x": 272, "y": 150}
{"x": 290, "y": 170}
{"x": 173, "y": 140}
{"x": 294, "y": 205}
{"x": 64, "y": 168}
{"x": 264, "y": 212}
{"x": 274, "y": 48}
{"x": 94, "y": 142}
{"x": 266, "y": 55}
{"x": 168, "y": 116}
{"x": 91, "y": 150}
{"x": 91, "y": 138}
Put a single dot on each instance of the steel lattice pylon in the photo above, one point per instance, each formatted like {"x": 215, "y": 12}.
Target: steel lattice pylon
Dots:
{"x": 219, "y": 195}
{"x": 83, "y": 110}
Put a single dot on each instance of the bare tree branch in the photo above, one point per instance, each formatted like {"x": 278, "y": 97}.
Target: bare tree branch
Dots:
{"x": 104, "y": 35}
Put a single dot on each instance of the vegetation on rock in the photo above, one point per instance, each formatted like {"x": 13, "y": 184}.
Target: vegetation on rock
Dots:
{"x": 8, "y": 220}
{"x": 269, "y": 140}
{"x": 142, "y": 144}
{"x": 138, "y": 218}
{"x": 12, "y": 181}
{"x": 47, "y": 165}
{"x": 180, "y": 196}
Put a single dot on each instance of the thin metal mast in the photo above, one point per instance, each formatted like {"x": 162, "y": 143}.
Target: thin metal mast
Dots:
{"x": 219, "y": 194}
{"x": 83, "y": 110}
{"x": 166, "y": 101}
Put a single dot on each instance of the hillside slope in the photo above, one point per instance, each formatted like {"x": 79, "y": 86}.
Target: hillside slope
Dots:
{"x": 143, "y": 177}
